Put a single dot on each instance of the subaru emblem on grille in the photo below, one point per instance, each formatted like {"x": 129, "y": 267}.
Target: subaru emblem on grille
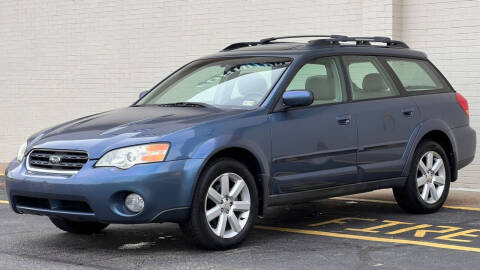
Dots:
{"x": 54, "y": 159}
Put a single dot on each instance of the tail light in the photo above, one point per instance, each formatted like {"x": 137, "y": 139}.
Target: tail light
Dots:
{"x": 463, "y": 103}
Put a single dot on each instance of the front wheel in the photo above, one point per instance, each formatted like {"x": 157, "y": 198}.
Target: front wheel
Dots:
{"x": 224, "y": 206}
{"x": 77, "y": 227}
{"x": 429, "y": 180}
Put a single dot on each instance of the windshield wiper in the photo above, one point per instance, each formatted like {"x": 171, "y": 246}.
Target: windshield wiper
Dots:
{"x": 186, "y": 104}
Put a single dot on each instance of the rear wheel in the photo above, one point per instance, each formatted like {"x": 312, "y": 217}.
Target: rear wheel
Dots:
{"x": 77, "y": 227}
{"x": 429, "y": 180}
{"x": 224, "y": 206}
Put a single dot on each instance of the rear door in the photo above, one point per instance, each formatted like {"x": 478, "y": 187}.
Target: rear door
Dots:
{"x": 385, "y": 118}
{"x": 314, "y": 147}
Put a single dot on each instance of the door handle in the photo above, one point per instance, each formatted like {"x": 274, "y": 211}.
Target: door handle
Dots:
{"x": 408, "y": 112}
{"x": 344, "y": 119}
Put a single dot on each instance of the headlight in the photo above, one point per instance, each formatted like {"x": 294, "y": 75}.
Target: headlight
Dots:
{"x": 21, "y": 152}
{"x": 127, "y": 157}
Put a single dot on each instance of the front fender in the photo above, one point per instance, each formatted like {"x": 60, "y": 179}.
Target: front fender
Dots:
{"x": 211, "y": 147}
{"x": 260, "y": 151}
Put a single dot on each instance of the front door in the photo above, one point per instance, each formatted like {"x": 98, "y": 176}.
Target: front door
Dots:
{"x": 314, "y": 147}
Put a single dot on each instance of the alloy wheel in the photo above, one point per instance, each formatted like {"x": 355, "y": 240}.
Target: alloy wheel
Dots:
{"x": 227, "y": 205}
{"x": 431, "y": 177}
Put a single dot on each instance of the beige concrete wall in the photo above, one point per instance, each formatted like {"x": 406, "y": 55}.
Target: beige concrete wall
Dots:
{"x": 62, "y": 59}
{"x": 449, "y": 32}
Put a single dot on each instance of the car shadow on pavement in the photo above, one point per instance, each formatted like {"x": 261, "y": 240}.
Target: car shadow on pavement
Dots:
{"x": 168, "y": 236}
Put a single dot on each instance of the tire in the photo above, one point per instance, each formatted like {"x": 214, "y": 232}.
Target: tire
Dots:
{"x": 77, "y": 227}
{"x": 208, "y": 234}
{"x": 422, "y": 199}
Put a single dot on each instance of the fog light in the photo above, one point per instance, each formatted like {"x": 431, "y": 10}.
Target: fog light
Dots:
{"x": 134, "y": 202}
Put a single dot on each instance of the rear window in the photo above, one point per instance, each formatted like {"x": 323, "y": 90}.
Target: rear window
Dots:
{"x": 416, "y": 75}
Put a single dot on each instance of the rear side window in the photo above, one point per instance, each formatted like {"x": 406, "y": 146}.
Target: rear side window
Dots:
{"x": 368, "y": 79}
{"x": 416, "y": 75}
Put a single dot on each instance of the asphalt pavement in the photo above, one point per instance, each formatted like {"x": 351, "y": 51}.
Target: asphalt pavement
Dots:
{"x": 366, "y": 231}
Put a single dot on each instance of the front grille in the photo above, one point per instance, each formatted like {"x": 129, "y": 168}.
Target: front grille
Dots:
{"x": 56, "y": 161}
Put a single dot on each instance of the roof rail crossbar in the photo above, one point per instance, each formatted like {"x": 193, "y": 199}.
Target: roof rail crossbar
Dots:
{"x": 240, "y": 45}
{"x": 397, "y": 44}
{"x": 359, "y": 41}
{"x": 268, "y": 40}
{"x": 325, "y": 40}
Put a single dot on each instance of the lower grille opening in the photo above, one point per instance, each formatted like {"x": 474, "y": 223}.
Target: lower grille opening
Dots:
{"x": 32, "y": 202}
{"x": 50, "y": 204}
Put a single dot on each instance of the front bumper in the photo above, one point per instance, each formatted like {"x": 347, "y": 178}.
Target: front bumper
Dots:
{"x": 97, "y": 194}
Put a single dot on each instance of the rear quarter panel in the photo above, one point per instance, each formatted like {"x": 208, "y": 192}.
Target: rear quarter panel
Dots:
{"x": 442, "y": 106}
{"x": 441, "y": 112}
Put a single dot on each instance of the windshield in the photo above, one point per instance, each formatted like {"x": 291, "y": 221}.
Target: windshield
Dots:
{"x": 224, "y": 83}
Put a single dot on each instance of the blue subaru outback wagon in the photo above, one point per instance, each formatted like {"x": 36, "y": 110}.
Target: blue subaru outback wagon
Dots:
{"x": 256, "y": 125}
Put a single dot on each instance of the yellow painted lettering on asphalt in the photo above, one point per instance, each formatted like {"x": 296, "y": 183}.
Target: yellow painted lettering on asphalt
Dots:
{"x": 420, "y": 229}
{"x": 371, "y": 238}
{"x": 450, "y": 237}
{"x": 447, "y": 229}
{"x": 374, "y": 229}
{"x": 340, "y": 221}
{"x": 408, "y": 229}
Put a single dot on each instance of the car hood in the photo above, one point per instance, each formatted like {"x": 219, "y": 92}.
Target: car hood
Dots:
{"x": 101, "y": 132}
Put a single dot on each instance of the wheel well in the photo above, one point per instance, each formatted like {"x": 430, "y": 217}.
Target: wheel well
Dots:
{"x": 251, "y": 162}
{"x": 442, "y": 139}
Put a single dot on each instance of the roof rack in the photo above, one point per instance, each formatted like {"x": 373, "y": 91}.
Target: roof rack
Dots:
{"x": 326, "y": 40}
{"x": 238, "y": 45}
{"x": 359, "y": 41}
{"x": 268, "y": 40}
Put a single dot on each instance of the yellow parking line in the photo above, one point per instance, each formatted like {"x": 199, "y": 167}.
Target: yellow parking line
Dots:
{"x": 370, "y": 238}
{"x": 466, "y": 208}
{"x": 5, "y": 202}
{"x": 462, "y": 208}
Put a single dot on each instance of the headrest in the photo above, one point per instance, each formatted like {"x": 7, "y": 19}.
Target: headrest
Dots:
{"x": 321, "y": 88}
{"x": 373, "y": 82}
{"x": 252, "y": 83}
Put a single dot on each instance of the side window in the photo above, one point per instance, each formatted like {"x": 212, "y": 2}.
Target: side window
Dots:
{"x": 368, "y": 79}
{"x": 416, "y": 75}
{"x": 322, "y": 77}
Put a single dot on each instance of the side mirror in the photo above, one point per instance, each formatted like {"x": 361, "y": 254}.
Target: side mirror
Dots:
{"x": 297, "y": 98}
{"x": 142, "y": 94}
